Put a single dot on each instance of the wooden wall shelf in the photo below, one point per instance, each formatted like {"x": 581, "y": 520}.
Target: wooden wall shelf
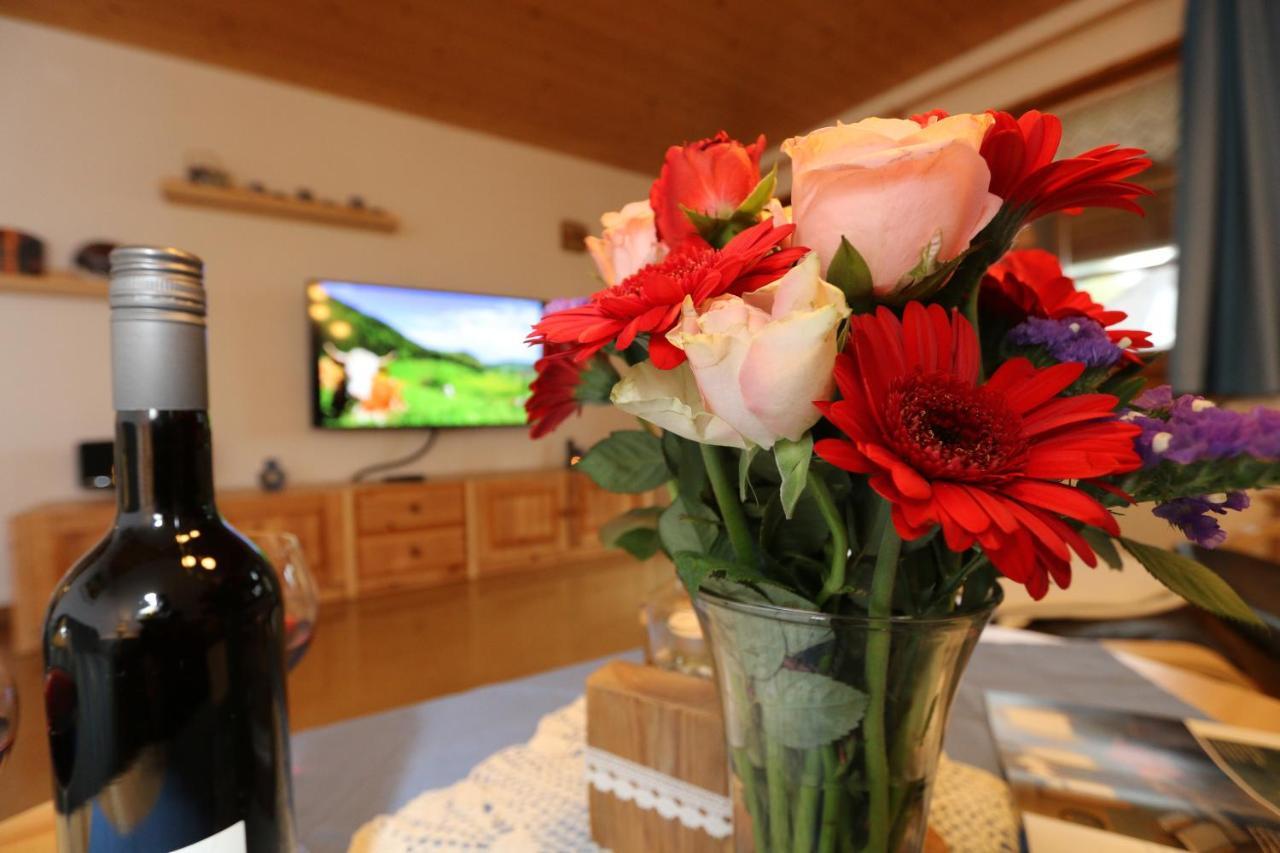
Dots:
{"x": 247, "y": 201}
{"x": 55, "y": 284}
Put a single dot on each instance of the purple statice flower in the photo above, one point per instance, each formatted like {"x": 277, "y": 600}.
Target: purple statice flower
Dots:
{"x": 1262, "y": 430}
{"x": 1155, "y": 399}
{"x": 1068, "y": 339}
{"x": 1192, "y": 516}
{"x": 1191, "y": 429}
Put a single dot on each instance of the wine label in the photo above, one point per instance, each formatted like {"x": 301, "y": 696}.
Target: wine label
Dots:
{"x": 230, "y": 840}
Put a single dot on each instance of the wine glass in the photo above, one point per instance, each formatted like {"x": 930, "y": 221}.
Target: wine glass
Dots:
{"x": 8, "y": 713}
{"x": 297, "y": 588}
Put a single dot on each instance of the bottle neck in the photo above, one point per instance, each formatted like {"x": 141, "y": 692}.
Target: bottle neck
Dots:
{"x": 164, "y": 467}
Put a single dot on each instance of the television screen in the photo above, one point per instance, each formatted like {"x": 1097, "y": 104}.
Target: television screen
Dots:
{"x": 387, "y": 357}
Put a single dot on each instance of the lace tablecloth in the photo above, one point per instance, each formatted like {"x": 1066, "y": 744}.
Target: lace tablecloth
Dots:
{"x": 533, "y": 797}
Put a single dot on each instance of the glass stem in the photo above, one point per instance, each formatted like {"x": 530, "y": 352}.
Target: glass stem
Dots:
{"x": 735, "y": 520}
{"x": 880, "y": 606}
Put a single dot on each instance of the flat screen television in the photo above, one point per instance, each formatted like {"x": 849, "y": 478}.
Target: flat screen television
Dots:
{"x": 390, "y": 357}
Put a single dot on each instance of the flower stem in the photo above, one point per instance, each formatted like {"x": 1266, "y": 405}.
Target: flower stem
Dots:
{"x": 971, "y": 314}
{"x": 880, "y": 606}
{"x": 960, "y": 577}
{"x": 831, "y": 800}
{"x": 735, "y": 520}
{"x": 747, "y": 776}
{"x": 839, "y": 538}
{"x": 802, "y": 836}
{"x": 775, "y": 770}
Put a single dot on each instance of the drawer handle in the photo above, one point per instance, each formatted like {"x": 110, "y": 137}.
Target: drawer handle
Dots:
{"x": 415, "y": 508}
{"x": 415, "y": 552}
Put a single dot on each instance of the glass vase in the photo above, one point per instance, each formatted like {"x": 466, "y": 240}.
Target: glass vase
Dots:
{"x": 834, "y": 724}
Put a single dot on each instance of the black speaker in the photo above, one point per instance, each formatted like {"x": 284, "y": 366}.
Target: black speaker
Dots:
{"x": 97, "y": 461}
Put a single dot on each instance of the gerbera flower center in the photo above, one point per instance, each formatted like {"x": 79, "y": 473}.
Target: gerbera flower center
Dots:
{"x": 948, "y": 429}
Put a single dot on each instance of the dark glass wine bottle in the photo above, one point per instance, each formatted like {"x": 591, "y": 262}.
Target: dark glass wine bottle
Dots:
{"x": 164, "y": 657}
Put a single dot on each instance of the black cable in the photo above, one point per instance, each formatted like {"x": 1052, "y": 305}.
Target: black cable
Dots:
{"x": 422, "y": 451}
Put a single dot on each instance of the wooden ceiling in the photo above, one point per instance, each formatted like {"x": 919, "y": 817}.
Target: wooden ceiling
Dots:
{"x": 610, "y": 80}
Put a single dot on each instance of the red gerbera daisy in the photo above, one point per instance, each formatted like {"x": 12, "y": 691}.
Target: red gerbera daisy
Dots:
{"x": 1030, "y": 283}
{"x": 554, "y": 398}
{"x": 982, "y": 461}
{"x": 1020, "y": 154}
{"x": 649, "y": 301}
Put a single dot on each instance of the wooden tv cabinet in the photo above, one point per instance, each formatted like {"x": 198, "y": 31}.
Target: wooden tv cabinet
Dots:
{"x": 358, "y": 539}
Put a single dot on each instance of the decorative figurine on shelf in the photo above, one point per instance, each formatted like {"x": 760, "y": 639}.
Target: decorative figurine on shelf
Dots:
{"x": 272, "y": 477}
{"x": 21, "y": 252}
{"x": 208, "y": 174}
{"x": 94, "y": 257}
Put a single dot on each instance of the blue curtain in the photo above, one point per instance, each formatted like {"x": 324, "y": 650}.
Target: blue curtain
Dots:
{"x": 1228, "y": 217}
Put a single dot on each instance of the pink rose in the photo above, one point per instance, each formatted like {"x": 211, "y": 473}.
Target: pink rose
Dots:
{"x": 907, "y": 197}
{"x": 628, "y": 243}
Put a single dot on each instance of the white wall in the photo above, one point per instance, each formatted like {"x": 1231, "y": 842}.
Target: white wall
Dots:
{"x": 89, "y": 129}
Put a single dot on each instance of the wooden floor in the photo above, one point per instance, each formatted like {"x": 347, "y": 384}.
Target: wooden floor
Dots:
{"x": 403, "y": 648}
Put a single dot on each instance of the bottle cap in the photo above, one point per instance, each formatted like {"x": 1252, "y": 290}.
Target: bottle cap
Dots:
{"x": 157, "y": 277}
{"x": 157, "y": 330}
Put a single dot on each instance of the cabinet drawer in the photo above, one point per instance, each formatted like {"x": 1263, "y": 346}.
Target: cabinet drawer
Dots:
{"x": 391, "y": 510}
{"x": 420, "y": 558}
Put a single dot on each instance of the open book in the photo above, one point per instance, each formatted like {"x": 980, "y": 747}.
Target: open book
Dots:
{"x": 1104, "y": 781}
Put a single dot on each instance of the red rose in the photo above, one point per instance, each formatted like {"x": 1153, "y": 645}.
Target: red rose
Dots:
{"x": 712, "y": 176}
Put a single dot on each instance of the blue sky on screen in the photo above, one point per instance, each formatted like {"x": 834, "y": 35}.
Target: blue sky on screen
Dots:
{"x": 491, "y": 329}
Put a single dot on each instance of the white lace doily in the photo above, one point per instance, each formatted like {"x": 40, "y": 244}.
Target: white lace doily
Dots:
{"x": 533, "y": 797}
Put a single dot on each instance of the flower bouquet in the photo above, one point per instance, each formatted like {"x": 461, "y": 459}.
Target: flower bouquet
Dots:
{"x": 867, "y": 409}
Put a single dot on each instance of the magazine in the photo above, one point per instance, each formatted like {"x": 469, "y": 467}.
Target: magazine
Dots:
{"x": 1100, "y": 780}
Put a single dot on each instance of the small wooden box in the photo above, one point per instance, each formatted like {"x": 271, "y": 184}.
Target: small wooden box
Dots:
{"x": 664, "y": 721}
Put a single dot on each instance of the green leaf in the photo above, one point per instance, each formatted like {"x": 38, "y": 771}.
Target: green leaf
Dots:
{"x": 804, "y": 533}
{"x": 1103, "y": 545}
{"x": 640, "y": 543}
{"x": 635, "y": 531}
{"x": 687, "y": 525}
{"x": 1194, "y": 582}
{"x": 806, "y": 710}
{"x": 759, "y": 197}
{"x": 694, "y": 568}
{"x": 626, "y": 461}
{"x": 793, "y": 464}
{"x": 744, "y": 469}
{"x": 849, "y": 272}
{"x": 700, "y": 220}
{"x": 596, "y": 381}
{"x": 784, "y": 597}
{"x": 923, "y": 285}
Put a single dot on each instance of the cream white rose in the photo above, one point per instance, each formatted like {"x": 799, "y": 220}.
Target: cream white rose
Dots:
{"x": 897, "y": 191}
{"x": 761, "y": 360}
{"x": 629, "y": 242}
{"x": 670, "y": 399}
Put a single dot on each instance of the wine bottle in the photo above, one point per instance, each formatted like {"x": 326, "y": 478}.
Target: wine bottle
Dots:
{"x": 163, "y": 646}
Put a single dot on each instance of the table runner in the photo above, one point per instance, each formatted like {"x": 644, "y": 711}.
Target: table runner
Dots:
{"x": 533, "y": 797}
{"x": 351, "y": 771}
